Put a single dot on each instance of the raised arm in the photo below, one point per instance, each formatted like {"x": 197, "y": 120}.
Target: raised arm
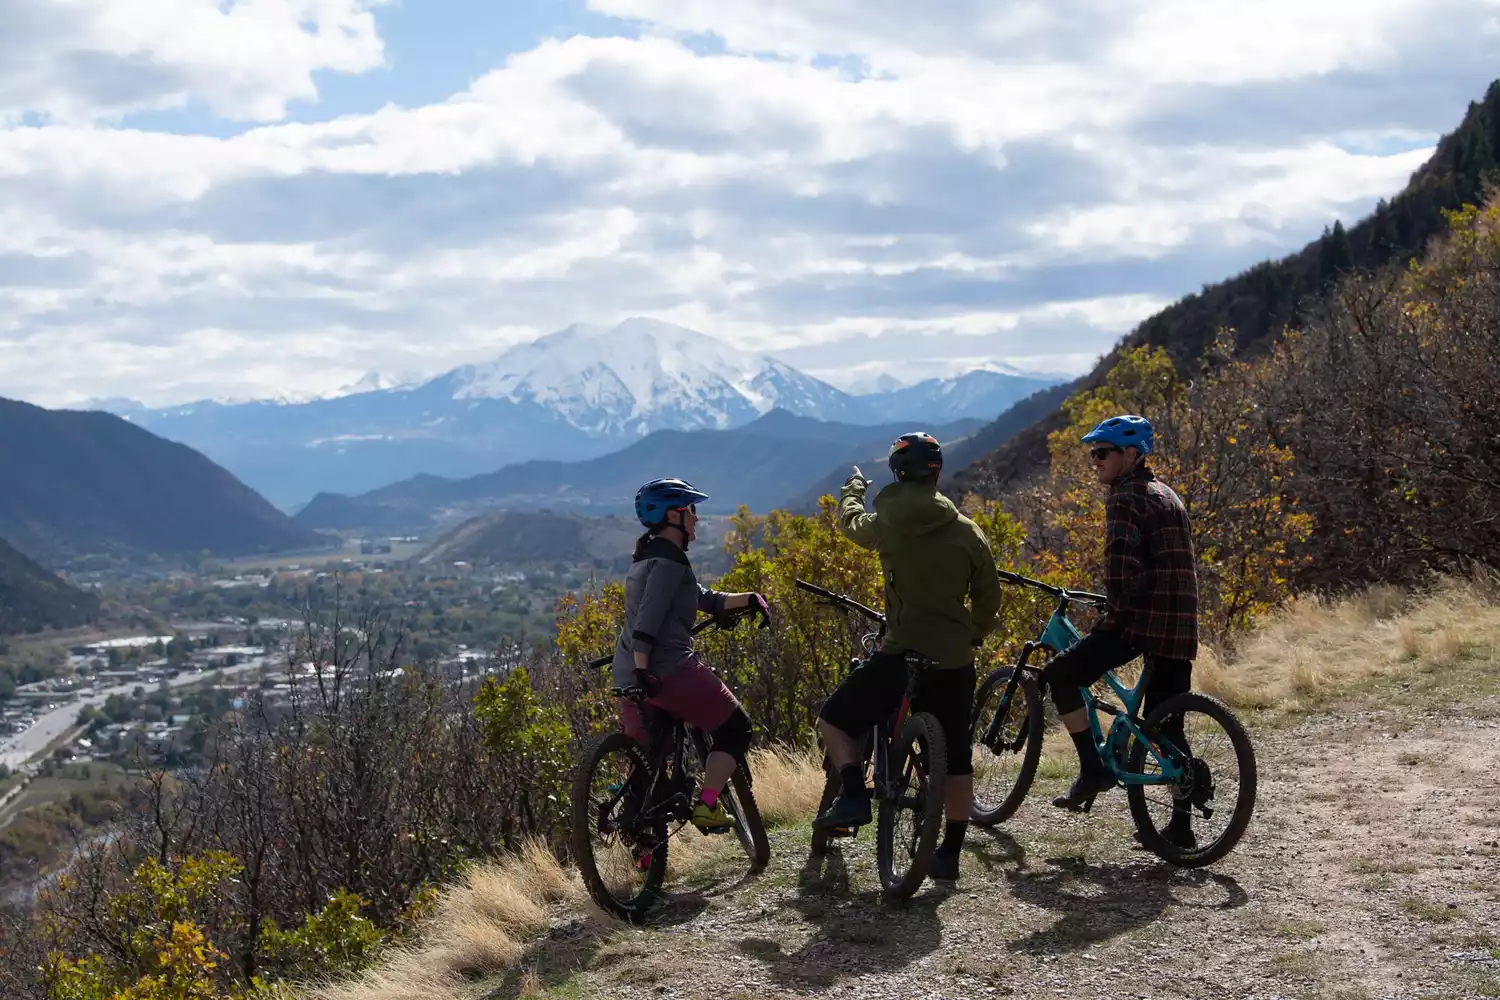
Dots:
{"x": 860, "y": 528}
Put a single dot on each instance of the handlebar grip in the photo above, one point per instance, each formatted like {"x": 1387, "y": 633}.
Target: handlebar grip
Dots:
{"x": 602, "y": 661}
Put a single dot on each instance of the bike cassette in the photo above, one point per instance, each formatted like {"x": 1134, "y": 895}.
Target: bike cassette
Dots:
{"x": 1197, "y": 787}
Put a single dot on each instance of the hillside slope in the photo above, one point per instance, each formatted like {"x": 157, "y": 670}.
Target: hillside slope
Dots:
{"x": 83, "y": 482}
{"x": 1366, "y": 870}
{"x": 509, "y": 538}
{"x": 1273, "y": 295}
{"x": 32, "y": 598}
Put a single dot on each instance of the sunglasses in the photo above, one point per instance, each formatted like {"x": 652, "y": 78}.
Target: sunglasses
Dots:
{"x": 1100, "y": 454}
{"x": 691, "y": 508}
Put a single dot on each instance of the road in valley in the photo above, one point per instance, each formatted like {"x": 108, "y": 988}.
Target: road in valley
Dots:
{"x": 18, "y": 749}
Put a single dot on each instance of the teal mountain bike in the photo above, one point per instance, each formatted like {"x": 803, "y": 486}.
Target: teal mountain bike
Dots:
{"x": 1209, "y": 772}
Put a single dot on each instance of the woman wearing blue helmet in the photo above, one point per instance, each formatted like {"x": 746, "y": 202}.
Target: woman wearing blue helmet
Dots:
{"x": 1151, "y": 580}
{"x": 655, "y": 649}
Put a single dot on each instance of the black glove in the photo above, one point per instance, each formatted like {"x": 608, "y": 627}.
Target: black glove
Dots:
{"x": 759, "y": 608}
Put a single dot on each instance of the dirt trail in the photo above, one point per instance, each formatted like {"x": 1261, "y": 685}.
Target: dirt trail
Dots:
{"x": 1370, "y": 871}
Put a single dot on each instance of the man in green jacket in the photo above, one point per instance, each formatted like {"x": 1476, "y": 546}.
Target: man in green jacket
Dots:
{"x": 932, "y": 558}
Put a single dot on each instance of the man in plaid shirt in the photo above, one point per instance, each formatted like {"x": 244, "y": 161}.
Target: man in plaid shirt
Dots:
{"x": 1152, "y": 585}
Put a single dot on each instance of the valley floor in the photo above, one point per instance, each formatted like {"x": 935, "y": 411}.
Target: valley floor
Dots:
{"x": 1369, "y": 871}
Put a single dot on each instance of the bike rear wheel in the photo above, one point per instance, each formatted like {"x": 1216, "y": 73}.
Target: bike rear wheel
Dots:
{"x": 911, "y": 815}
{"x": 1005, "y": 764}
{"x": 621, "y": 858}
{"x": 1208, "y": 770}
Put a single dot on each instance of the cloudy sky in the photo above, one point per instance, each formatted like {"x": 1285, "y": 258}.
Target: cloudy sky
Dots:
{"x": 252, "y": 197}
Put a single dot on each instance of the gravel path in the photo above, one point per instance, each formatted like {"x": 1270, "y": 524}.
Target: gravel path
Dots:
{"x": 1371, "y": 870}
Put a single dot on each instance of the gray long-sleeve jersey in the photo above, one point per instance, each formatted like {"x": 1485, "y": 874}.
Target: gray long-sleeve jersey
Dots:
{"x": 662, "y": 598}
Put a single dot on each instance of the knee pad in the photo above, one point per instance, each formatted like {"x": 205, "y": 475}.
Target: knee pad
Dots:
{"x": 733, "y": 737}
{"x": 961, "y": 763}
{"x": 1064, "y": 694}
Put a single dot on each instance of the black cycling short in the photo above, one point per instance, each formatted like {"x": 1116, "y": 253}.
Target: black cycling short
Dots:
{"x": 873, "y": 690}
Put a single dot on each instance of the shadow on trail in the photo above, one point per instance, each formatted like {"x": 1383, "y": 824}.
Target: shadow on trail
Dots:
{"x": 994, "y": 848}
{"x": 574, "y": 946}
{"x": 857, "y": 933}
{"x": 1098, "y": 902}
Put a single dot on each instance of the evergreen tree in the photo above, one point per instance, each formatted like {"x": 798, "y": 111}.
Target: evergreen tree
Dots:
{"x": 1335, "y": 256}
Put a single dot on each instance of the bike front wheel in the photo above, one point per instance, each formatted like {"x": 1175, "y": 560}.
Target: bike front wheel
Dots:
{"x": 739, "y": 802}
{"x": 1198, "y": 819}
{"x": 911, "y": 806}
{"x": 1008, "y": 724}
{"x": 621, "y": 853}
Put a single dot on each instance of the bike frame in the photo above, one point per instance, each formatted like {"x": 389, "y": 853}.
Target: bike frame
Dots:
{"x": 885, "y": 732}
{"x": 1059, "y": 635}
{"x": 669, "y": 740}
{"x": 882, "y": 733}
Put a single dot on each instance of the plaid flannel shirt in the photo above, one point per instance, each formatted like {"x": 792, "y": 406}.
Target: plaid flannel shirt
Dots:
{"x": 1150, "y": 576}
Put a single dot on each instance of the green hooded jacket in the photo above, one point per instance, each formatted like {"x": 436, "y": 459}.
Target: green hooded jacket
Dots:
{"x": 932, "y": 558}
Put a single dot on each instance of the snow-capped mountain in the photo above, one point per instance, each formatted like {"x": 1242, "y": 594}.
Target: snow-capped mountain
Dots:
{"x": 646, "y": 375}
{"x": 571, "y": 395}
{"x": 984, "y": 393}
{"x": 574, "y": 394}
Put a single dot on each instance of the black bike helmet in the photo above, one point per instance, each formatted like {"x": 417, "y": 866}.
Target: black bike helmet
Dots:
{"x": 916, "y": 455}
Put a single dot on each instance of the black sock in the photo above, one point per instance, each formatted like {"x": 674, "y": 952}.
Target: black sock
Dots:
{"x": 953, "y": 836}
{"x": 853, "y": 777}
{"x": 1088, "y": 754}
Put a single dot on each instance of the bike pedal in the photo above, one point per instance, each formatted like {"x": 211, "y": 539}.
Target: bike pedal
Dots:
{"x": 843, "y": 831}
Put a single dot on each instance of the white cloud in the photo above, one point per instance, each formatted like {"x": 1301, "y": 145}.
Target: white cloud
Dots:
{"x": 79, "y": 60}
{"x": 989, "y": 177}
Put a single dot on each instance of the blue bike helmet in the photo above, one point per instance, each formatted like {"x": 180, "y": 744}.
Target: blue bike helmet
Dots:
{"x": 653, "y": 500}
{"x": 1125, "y": 431}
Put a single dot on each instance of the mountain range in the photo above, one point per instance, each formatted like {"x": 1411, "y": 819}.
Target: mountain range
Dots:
{"x": 764, "y": 464}
{"x": 579, "y": 393}
{"x": 84, "y": 482}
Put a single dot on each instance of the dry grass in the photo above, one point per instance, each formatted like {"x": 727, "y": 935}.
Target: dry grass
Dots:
{"x": 1316, "y": 647}
{"x": 481, "y": 926}
{"x": 788, "y": 783}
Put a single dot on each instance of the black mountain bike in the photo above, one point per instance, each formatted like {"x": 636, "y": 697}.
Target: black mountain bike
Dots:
{"x": 911, "y": 768}
{"x": 628, "y": 801}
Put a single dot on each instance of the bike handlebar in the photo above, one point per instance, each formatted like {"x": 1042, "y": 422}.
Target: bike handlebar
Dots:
{"x": 1081, "y": 596}
{"x": 726, "y": 621}
{"x": 842, "y": 600}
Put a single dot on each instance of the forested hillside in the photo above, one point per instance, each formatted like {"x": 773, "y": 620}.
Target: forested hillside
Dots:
{"x": 1257, "y": 305}
{"x": 81, "y": 482}
{"x": 32, "y": 598}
